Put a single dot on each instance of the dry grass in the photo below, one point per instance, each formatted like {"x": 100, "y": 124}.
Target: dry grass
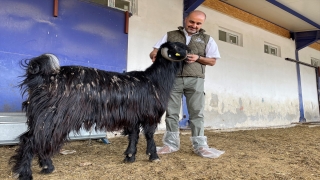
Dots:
{"x": 286, "y": 153}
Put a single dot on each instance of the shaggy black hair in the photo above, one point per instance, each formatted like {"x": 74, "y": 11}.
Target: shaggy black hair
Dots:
{"x": 62, "y": 99}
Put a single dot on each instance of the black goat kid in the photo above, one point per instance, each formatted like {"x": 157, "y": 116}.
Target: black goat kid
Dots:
{"x": 64, "y": 99}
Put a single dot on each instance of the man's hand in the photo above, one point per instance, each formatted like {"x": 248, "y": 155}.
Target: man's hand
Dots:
{"x": 192, "y": 58}
{"x": 153, "y": 54}
{"x": 202, "y": 60}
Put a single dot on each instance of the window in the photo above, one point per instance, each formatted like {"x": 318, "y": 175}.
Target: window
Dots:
{"x": 230, "y": 37}
{"x": 271, "y": 49}
{"x": 120, "y": 4}
{"x": 315, "y": 62}
{"x": 124, "y": 5}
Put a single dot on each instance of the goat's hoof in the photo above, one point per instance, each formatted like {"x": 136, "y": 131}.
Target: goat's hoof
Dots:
{"x": 47, "y": 170}
{"x": 129, "y": 159}
{"x": 27, "y": 177}
{"x": 15, "y": 176}
{"x": 155, "y": 160}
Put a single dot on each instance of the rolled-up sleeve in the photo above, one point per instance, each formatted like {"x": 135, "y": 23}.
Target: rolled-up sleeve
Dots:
{"x": 161, "y": 41}
{"x": 212, "y": 50}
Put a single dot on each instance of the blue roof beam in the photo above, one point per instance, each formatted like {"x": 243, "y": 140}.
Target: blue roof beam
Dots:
{"x": 304, "y": 39}
{"x": 298, "y": 15}
{"x": 190, "y": 5}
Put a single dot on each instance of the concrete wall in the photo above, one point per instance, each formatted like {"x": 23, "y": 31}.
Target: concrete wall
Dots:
{"x": 153, "y": 20}
{"x": 247, "y": 87}
{"x": 250, "y": 88}
{"x": 308, "y": 81}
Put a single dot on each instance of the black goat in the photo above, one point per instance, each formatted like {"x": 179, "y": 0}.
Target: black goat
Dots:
{"x": 64, "y": 99}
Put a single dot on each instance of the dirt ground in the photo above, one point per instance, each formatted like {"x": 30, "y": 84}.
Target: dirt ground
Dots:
{"x": 281, "y": 153}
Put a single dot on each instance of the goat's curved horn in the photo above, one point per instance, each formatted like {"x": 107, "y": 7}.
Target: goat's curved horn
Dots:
{"x": 164, "y": 53}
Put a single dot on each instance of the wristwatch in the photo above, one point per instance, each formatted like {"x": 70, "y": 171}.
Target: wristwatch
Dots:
{"x": 198, "y": 57}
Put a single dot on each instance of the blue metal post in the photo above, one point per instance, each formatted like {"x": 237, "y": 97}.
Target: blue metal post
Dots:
{"x": 301, "y": 108}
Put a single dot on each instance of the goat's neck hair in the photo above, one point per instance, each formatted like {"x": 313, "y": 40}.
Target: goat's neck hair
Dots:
{"x": 163, "y": 71}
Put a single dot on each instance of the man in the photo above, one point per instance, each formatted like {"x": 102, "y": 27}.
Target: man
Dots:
{"x": 190, "y": 82}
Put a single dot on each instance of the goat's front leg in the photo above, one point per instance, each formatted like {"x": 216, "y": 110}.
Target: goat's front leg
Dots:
{"x": 46, "y": 165}
{"x": 151, "y": 145}
{"x": 133, "y": 136}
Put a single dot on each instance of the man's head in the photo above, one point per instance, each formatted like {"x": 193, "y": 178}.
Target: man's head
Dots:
{"x": 194, "y": 21}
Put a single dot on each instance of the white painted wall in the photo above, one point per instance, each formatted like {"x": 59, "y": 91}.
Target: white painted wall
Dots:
{"x": 246, "y": 87}
{"x": 249, "y": 88}
{"x": 154, "y": 19}
{"x": 309, "y": 86}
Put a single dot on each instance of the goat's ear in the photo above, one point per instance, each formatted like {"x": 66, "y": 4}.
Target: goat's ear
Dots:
{"x": 33, "y": 68}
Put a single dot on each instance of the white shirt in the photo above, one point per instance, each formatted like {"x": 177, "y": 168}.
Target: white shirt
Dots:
{"x": 212, "y": 50}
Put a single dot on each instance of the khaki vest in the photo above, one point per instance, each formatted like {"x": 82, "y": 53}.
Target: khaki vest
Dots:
{"x": 197, "y": 46}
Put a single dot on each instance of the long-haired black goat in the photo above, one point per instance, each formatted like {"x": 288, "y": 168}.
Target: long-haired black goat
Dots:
{"x": 62, "y": 99}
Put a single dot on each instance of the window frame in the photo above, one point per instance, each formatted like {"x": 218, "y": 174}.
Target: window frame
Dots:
{"x": 315, "y": 62}
{"x": 133, "y": 4}
{"x": 229, "y": 36}
{"x": 112, "y": 3}
{"x": 271, "y": 48}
